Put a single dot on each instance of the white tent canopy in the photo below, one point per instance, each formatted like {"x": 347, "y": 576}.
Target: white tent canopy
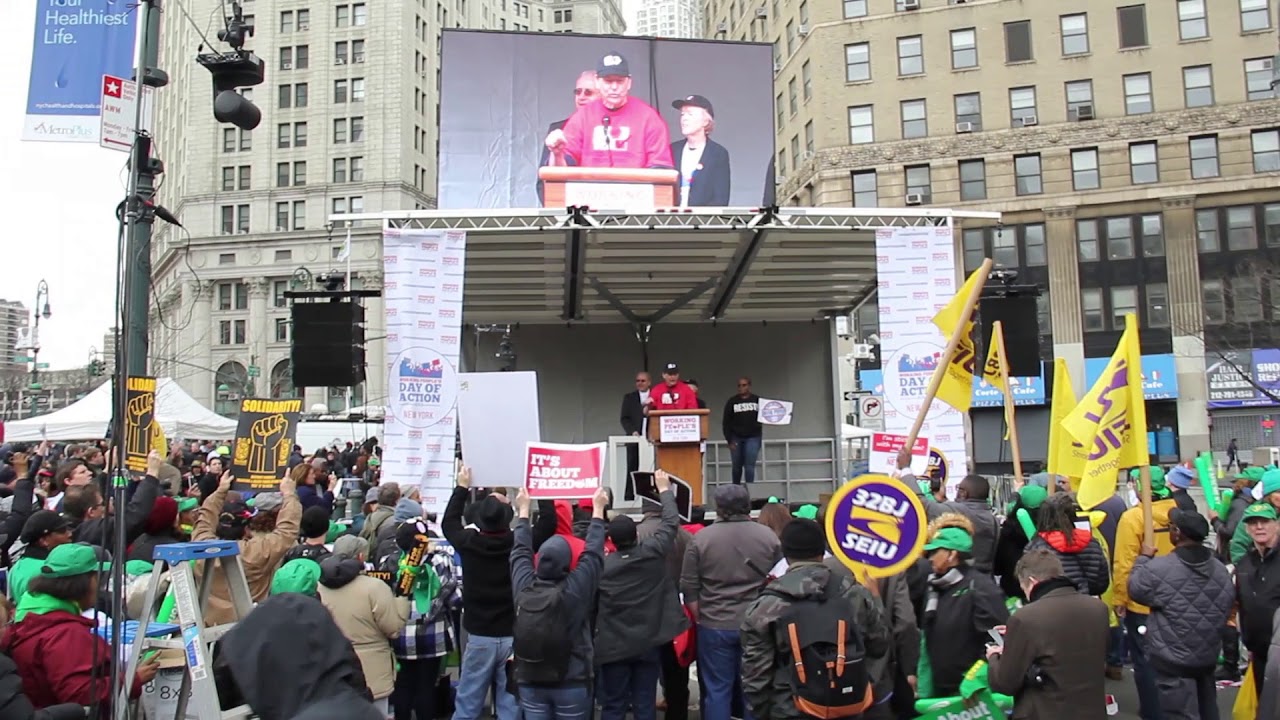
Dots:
{"x": 88, "y": 418}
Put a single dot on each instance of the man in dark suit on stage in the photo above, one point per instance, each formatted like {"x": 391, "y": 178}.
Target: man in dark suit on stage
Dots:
{"x": 633, "y": 404}
{"x": 703, "y": 163}
{"x": 583, "y": 92}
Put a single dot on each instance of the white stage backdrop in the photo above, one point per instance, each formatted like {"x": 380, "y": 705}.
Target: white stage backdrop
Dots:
{"x": 916, "y": 271}
{"x": 423, "y": 296}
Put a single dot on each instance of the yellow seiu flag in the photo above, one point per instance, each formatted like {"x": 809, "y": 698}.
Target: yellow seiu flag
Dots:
{"x": 994, "y": 376}
{"x": 956, "y": 389}
{"x": 1111, "y": 421}
{"x": 1066, "y": 456}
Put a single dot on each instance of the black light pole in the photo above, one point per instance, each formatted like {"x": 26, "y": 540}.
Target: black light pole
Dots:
{"x": 42, "y": 294}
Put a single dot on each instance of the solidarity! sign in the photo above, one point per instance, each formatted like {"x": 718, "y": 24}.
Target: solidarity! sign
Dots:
{"x": 264, "y": 440}
{"x": 142, "y": 431}
{"x": 562, "y": 472}
{"x": 876, "y": 525}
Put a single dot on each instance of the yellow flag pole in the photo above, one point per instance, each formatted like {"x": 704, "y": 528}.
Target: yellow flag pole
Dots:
{"x": 997, "y": 337}
{"x": 943, "y": 362}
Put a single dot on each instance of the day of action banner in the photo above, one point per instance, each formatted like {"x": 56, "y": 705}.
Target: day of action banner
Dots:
{"x": 562, "y": 472}
{"x": 264, "y": 438}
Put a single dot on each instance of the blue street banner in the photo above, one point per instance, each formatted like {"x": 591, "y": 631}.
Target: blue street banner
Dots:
{"x": 1159, "y": 378}
{"x": 76, "y": 43}
{"x": 1026, "y": 390}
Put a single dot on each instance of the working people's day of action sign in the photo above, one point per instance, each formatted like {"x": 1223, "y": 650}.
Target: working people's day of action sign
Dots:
{"x": 563, "y": 472}
{"x": 264, "y": 439}
{"x": 142, "y": 431}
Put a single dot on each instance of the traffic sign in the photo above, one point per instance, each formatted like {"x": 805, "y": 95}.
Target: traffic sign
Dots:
{"x": 254, "y": 371}
{"x": 42, "y": 366}
{"x": 850, "y": 395}
{"x": 871, "y": 412}
{"x": 119, "y": 112}
{"x": 21, "y": 358}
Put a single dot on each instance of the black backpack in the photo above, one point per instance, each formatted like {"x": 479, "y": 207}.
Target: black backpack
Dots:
{"x": 829, "y": 677}
{"x": 541, "y": 650}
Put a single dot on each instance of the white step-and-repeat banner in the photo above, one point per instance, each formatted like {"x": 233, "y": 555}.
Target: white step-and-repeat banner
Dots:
{"x": 422, "y": 291}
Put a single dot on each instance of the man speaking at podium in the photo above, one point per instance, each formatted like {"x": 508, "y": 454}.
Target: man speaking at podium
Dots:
{"x": 615, "y": 130}
{"x": 673, "y": 393}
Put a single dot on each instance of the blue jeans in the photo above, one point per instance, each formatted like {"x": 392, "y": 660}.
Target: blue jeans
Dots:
{"x": 1115, "y": 647}
{"x": 744, "y": 453}
{"x": 720, "y": 666}
{"x": 630, "y": 684}
{"x": 484, "y": 668}
{"x": 1144, "y": 677}
{"x": 565, "y": 702}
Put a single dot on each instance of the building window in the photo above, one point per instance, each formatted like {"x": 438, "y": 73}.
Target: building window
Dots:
{"x": 964, "y": 49}
{"x": 806, "y": 80}
{"x": 1087, "y": 240}
{"x": 1133, "y": 25}
{"x": 975, "y": 248}
{"x": 969, "y": 110}
{"x": 1004, "y": 248}
{"x": 1204, "y": 157}
{"x": 857, "y": 62}
{"x": 910, "y": 55}
{"x": 282, "y": 216}
{"x": 1084, "y": 169}
{"x": 1075, "y": 34}
{"x": 1091, "y": 309}
{"x": 228, "y": 178}
{"x": 1036, "y": 245}
{"x": 357, "y": 90}
{"x": 1017, "y": 41}
{"x": 282, "y": 330}
{"x": 1027, "y": 174}
{"x": 1157, "y": 305}
{"x": 1119, "y": 238}
{"x": 1246, "y": 299}
{"x": 282, "y": 174}
{"x": 1266, "y": 150}
{"x": 809, "y": 142}
{"x": 339, "y": 91}
{"x": 1271, "y": 228}
{"x": 242, "y": 219}
{"x": 1197, "y": 86}
{"x": 865, "y": 192}
{"x": 1213, "y": 298}
{"x": 1192, "y": 22}
{"x": 1137, "y": 94}
{"x": 1207, "y": 231}
{"x": 1152, "y": 227}
{"x": 1124, "y": 301}
{"x": 228, "y": 217}
{"x": 1242, "y": 231}
{"x": 1254, "y": 15}
{"x": 918, "y": 182}
{"x": 973, "y": 180}
{"x": 1079, "y": 92}
{"x": 1144, "y": 164}
{"x": 1022, "y": 105}
{"x": 779, "y": 109}
{"x": 1257, "y": 78}
{"x": 915, "y": 124}
{"x": 280, "y": 287}
{"x": 286, "y": 21}
{"x": 855, "y": 8}
{"x": 793, "y": 96}
{"x": 861, "y": 125}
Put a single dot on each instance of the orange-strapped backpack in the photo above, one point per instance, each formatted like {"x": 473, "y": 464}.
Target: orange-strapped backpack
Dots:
{"x": 828, "y": 659}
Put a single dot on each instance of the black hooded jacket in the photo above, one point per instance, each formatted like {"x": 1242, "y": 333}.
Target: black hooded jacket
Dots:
{"x": 101, "y": 531}
{"x": 488, "y": 607}
{"x": 293, "y": 636}
{"x": 15, "y": 705}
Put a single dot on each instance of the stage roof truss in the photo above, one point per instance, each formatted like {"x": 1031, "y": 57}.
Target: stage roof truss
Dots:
{"x": 679, "y": 265}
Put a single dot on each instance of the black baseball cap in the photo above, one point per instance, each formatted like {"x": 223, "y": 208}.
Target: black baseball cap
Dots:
{"x": 1190, "y": 523}
{"x": 613, "y": 65}
{"x": 694, "y": 101}
{"x": 42, "y": 523}
{"x": 236, "y": 514}
{"x": 671, "y": 369}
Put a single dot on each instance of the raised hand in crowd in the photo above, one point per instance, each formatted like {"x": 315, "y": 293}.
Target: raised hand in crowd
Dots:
{"x": 153, "y": 463}
{"x": 464, "y": 477}
{"x": 523, "y": 502}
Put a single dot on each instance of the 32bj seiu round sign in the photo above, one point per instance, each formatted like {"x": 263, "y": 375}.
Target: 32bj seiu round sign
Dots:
{"x": 876, "y": 525}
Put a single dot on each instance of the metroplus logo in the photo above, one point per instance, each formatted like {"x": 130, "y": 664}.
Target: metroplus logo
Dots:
{"x": 923, "y": 320}
{"x": 390, "y": 259}
{"x": 449, "y": 287}
{"x": 943, "y": 437}
{"x": 393, "y": 337}
{"x": 938, "y": 306}
{"x": 425, "y": 299}
{"x": 390, "y": 284}
{"x": 426, "y": 272}
{"x": 884, "y": 259}
{"x": 451, "y": 261}
{"x": 883, "y": 283}
{"x": 433, "y": 447}
{"x": 919, "y": 269}
{"x": 429, "y": 500}
{"x": 449, "y": 339}
{"x": 432, "y": 475}
{"x": 940, "y": 257}
{"x": 392, "y": 312}
{"x": 415, "y": 434}
{"x": 431, "y": 246}
{"x": 426, "y": 324}
{"x": 941, "y": 282}
{"x": 886, "y": 334}
{"x": 919, "y": 295}
{"x": 447, "y": 313}
{"x": 919, "y": 244}
{"x": 413, "y": 460}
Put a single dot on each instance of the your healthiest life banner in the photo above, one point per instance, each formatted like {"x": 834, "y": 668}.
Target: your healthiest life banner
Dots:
{"x": 917, "y": 275}
{"x": 422, "y": 291}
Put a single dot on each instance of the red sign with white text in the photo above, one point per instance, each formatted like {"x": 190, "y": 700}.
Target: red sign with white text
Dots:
{"x": 562, "y": 472}
{"x": 884, "y": 454}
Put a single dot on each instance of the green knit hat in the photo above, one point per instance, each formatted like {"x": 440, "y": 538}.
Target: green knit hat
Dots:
{"x": 335, "y": 531}
{"x": 1033, "y": 496}
{"x": 300, "y": 576}
{"x": 1158, "y": 488}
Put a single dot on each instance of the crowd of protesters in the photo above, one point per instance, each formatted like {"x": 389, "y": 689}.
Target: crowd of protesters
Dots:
{"x": 570, "y": 607}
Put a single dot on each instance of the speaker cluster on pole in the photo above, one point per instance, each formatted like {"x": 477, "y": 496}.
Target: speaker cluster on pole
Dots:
{"x": 328, "y": 344}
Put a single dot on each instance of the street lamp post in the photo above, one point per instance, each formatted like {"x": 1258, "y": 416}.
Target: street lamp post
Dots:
{"x": 40, "y": 310}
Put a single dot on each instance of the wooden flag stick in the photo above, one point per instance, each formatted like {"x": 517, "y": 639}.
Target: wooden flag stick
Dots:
{"x": 1148, "y": 520}
{"x": 997, "y": 337}
{"x": 952, "y": 343}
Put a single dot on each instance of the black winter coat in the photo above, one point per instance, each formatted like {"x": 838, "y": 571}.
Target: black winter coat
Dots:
{"x": 1083, "y": 559}
{"x": 14, "y": 704}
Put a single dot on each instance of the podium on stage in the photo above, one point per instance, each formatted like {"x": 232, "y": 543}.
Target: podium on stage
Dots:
{"x": 677, "y": 437}
{"x": 607, "y": 188}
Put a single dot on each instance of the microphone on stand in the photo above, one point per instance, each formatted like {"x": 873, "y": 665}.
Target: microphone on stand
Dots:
{"x": 608, "y": 136}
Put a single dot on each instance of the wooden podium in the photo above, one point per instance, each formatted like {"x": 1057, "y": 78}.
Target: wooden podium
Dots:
{"x": 677, "y": 436}
{"x": 607, "y": 188}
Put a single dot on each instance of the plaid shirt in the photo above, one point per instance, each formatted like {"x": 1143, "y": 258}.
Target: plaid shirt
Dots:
{"x": 433, "y": 633}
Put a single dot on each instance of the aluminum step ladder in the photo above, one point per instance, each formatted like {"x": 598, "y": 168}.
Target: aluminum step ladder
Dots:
{"x": 189, "y": 634}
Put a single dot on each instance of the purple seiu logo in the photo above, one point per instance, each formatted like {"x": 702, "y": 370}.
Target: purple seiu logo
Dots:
{"x": 1112, "y": 432}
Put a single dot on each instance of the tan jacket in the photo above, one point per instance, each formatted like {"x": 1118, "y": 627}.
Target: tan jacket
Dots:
{"x": 370, "y": 616}
{"x": 260, "y": 555}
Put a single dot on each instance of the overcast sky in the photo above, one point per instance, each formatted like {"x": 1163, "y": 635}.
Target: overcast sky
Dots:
{"x": 59, "y": 201}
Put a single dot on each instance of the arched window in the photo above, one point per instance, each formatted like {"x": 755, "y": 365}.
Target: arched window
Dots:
{"x": 230, "y": 383}
{"x": 282, "y": 380}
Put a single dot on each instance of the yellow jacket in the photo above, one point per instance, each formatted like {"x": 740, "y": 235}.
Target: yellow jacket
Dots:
{"x": 1129, "y": 544}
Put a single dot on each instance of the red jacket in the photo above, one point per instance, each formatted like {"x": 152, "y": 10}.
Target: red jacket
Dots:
{"x": 673, "y": 397}
{"x": 54, "y": 653}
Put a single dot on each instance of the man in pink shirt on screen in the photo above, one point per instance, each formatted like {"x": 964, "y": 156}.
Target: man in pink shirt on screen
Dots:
{"x": 615, "y": 130}
{"x": 672, "y": 393}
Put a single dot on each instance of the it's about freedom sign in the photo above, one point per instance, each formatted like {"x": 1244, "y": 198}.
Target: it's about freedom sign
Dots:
{"x": 562, "y": 472}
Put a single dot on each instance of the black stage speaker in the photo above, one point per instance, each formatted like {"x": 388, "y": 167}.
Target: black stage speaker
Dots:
{"x": 1021, "y": 321}
{"x": 328, "y": 344}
